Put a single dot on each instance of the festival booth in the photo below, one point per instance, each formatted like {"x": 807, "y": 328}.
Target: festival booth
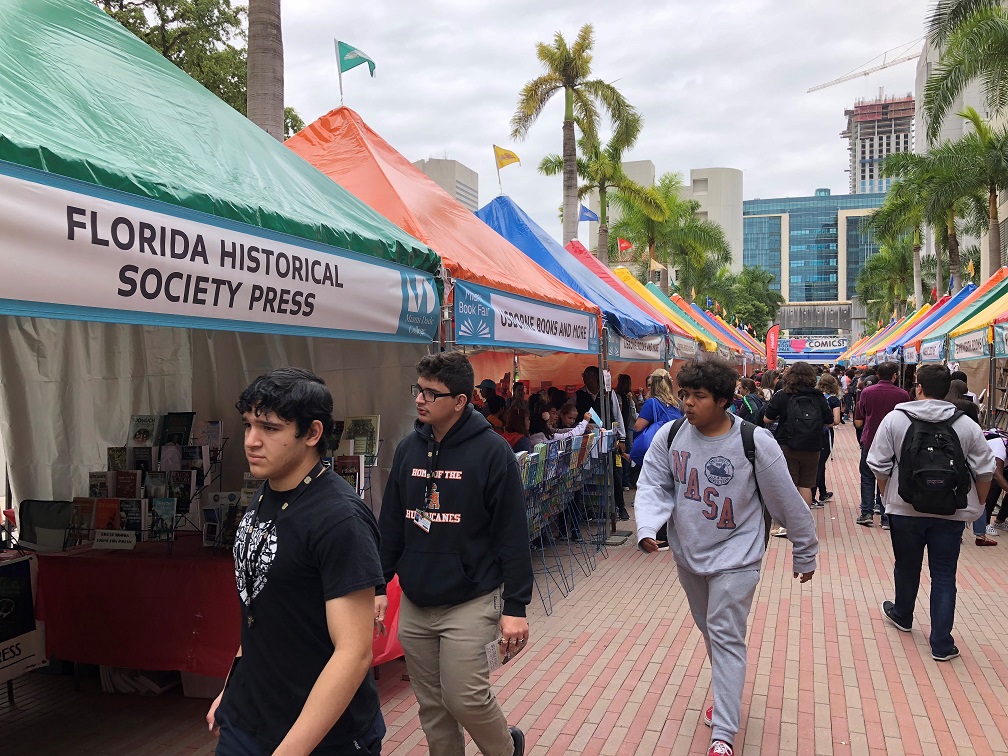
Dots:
{"x": 743, "y": 352}
{"x": 497, "y": 301}
{"x": 905, "y": 344}
{"x": 977, "y": 347}
{"x": 159, "y": 252}
{"x": 654, "y": 293}
{"x": 682, "y": 347}
{"x": 636, "y": 343}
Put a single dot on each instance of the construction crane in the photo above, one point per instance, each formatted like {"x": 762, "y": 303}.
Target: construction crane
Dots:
{"x": 868, "y": 71}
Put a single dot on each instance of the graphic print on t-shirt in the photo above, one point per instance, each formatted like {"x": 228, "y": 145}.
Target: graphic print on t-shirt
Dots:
{"x": 719, "y": 471}
{"x": 254, "y": 540}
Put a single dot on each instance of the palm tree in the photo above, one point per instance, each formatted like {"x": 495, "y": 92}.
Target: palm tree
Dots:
{"x": 973, "y": 37}
{"x": 697, "y": 248}
{"x": 265, "y": 67}
{"x": 902, "y": 213}
{"x": 882, "y": 283}
{"x": 601, "y": 168}
{"x": 943, "y": 196}
{"x": 567, "y": 69}
{"x": 981, "y": 162}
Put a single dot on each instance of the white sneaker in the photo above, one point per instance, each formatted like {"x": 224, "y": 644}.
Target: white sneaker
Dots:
{"x": 992, "y": 531}
{"x": 1001, "y": 525}
{"x": 781, "y": 532}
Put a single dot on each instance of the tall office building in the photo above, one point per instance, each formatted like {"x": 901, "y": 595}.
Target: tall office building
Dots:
{"x": 875, "y": 129}
{"x": 459, "y": 181}
{"x": 814, "y": 248}
{"x": 719, "y": 192}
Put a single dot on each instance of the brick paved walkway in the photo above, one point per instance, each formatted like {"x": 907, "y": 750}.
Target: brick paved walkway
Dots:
{"x": 619, "y": 668}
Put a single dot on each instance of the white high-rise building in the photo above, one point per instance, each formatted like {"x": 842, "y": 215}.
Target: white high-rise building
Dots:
{"x": 719, "y": 192}
{"x": 460, "y": 181}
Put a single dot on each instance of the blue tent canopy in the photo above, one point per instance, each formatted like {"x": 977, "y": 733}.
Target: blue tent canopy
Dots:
{"x": 511, "y": 222}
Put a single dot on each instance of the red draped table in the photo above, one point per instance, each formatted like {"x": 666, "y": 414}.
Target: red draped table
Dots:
{"x": 151, "y": 609}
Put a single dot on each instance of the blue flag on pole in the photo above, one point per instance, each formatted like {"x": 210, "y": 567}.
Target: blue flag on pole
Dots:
{"x": 709, "y": 303}
{"x": 587, "y": 215}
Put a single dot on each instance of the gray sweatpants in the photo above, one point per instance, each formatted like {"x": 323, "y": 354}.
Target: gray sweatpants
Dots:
{"x": 720, "y": 606}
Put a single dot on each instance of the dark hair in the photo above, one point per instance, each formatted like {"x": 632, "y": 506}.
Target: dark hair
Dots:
{"x": 887, "y": 370}
{"x": 453, "y": 369}
{"x": 590, "y": 369}
{"x": 934, "y": 380}
{"x": 495, "y": 403}
{"x": 623, "y": 384}
{"x": 749, "y": 385}
{"x": 957, "y": 390}
{"x": 515, "y": 419}
{"x": 800, "y": 376}
{"x": 536, "y": 422}
{"x": 871, "y": 370}
{"x": 558, "y": 397}
{"x": 959, "y": 375}
{"x": 711, "y": 374}
{"x": 295, "y": 395}
{"x": 769, "y": 379}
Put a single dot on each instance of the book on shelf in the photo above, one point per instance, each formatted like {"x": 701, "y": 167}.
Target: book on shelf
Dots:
{"x": 197, "y": 458}
{"x": 126, "y": 484}
{"x": 106, "y": 514}
{"x": 118, "y": 458}
{"x": 98, "y": 484}
{"x": 143, "y": 458}
{"x": 210, "y": 433}
{"x": 250, "y": 484}
{"x": 177, "y": 427}
{"x": 364, "y": 430}
{"x": 81, "y": 516}
{"x": 351, "y": 469}
{"x": 156, "y": 485}
{"x": 170, "y": 457}
{"x": 182, "y": 488}
{"x": 160, "y": 518}
{"x": 142, "y": 430}
{"x": 131, "y": 516}
{"x": 210, "y": 530}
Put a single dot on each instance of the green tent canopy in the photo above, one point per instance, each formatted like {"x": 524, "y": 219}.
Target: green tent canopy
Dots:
{"x": 83, "y": 98}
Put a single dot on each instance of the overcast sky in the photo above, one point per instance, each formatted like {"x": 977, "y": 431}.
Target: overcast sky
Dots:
{"x": 718, "y": 82}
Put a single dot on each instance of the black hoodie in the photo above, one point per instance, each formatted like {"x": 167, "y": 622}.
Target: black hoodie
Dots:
{"x": 478, "y": 537}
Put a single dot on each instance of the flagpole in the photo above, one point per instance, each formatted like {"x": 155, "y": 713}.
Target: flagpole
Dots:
{"x": 339, "y": 71}
{"x": 499, "y": 185}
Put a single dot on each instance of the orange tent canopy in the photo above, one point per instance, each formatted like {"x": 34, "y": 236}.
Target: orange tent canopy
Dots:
{"x": 347, "y": 150}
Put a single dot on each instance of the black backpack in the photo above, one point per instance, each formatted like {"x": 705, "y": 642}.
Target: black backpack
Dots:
{"x": 933, "y": 476}
{"x": 749, "y": 445}
{"x": 753, "y": 405}
{"x": 802, "y": 430}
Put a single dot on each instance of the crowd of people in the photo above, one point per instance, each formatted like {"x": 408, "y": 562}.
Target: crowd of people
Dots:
{"x": 724, "y": 462}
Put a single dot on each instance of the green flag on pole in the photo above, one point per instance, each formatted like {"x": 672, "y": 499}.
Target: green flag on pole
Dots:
{"x": 351, "y": 57}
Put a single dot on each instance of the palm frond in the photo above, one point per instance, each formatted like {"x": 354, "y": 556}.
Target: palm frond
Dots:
{"x": 533, "y": 98}
{"x": 551, "y": 165}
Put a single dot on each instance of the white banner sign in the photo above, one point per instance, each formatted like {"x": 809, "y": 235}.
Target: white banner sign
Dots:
{"x": 970, "y": 346}
{"x": 1001, "y": 340}
{"x": 72, "y": 250}
{"x": 649, "y": 349}
{"x": 491, "y": 318}
{"x": 932, "y": 351}
{"x": 910, "y": 355}
{"x": 683, "y": 348}
{"x": 22, "y": 638}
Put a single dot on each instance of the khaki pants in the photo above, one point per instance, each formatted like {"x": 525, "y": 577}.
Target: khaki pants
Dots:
{"x": 445, "y": 657}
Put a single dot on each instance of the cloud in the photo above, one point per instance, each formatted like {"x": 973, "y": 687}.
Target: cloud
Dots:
{"x": 719, "y": 83}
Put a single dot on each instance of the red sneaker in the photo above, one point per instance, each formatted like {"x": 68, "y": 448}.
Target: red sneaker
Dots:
{"x": 708, "y": 716}
{"x": 720, "y": 748}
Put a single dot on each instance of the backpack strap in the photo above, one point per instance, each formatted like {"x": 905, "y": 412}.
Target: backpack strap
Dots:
{"x": 749, "y": 446}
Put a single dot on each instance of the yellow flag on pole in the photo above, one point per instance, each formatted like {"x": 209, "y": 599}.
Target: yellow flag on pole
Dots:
{"x": 970, "y": 269}
{"x": 505, "y": 157}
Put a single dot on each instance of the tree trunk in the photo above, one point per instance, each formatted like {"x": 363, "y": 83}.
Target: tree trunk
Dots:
{"x": 570, "y": 210}
{"x": 603, "y": 229}
{"x": 955, "y": 275}
{"x": 939, "y": 286}
{"x": 994, "y": 235}
{"x": 918, "y": 286}
{"x": 265, "y": 67}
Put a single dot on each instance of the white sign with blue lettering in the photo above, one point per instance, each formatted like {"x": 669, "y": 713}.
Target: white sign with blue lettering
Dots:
{"x": 486, "y": 317}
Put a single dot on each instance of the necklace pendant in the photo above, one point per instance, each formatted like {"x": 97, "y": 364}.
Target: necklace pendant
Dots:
{"x": 250, "y": 622}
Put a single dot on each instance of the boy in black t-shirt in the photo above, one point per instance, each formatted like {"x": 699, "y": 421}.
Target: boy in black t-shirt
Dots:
{"x": 306, "y": 565}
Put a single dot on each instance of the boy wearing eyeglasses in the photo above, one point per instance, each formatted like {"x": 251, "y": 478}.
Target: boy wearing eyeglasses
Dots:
{"x": 453, "y": 528}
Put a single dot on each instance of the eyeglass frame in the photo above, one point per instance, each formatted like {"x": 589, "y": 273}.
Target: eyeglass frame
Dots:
{"x": 416, "y": 389}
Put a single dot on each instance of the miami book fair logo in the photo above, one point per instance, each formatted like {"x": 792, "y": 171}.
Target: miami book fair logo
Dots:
{"x": 420, "y": 305}
{"x": 473, "y": 315}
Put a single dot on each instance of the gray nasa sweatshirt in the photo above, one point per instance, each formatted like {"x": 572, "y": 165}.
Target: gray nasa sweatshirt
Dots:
{"x": 883, "y": 457}
{"x": 704, "y": 488}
